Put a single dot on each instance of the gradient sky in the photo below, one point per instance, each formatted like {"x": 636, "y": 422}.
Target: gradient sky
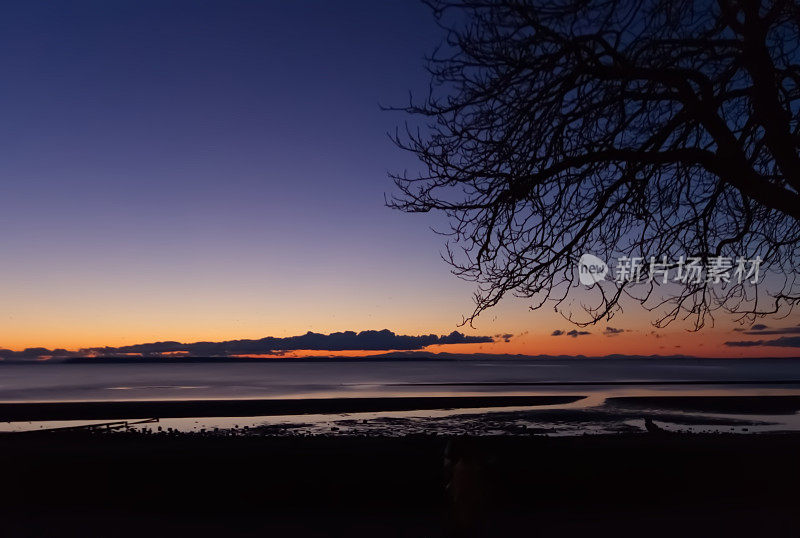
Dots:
{"x": 216, "y": 170}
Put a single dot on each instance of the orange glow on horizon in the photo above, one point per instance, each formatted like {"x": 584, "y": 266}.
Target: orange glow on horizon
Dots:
{"x": 531, "y": 331}
{"x": 702, "y": 344}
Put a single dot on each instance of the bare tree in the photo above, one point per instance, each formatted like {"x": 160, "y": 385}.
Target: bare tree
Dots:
{"x": 622, "y": 128}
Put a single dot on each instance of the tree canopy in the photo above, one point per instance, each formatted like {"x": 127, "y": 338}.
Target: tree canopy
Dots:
{"x": 627, "y": 129}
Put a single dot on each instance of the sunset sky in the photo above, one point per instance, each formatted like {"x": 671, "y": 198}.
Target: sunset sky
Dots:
{"x": 199, "y": 171}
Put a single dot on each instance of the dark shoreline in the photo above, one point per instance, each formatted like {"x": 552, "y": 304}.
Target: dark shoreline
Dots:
{"x": 129, "y": 484}
{"x": 739, "y": 404}
{"x": 143, "y": 409}
{"x": 112, "y": 410}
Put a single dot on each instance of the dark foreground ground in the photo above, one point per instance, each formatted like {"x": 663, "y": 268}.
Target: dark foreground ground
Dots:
{"x": 97, "y": 484}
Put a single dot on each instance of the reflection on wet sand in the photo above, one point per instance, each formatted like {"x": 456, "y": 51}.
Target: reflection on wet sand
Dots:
{"x": 614, "y": 410}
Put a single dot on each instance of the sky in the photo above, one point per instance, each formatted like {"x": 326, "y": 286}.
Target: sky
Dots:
{"x": 212, "y": 171}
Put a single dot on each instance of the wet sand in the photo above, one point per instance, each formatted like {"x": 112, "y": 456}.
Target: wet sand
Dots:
{"x": 114, "y": 410}
{"x": 430, "y": 415}
{"x": 788, "y": 404}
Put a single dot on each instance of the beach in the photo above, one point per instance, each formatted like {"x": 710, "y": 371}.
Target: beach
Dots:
{"x": 656, "y": 484}
{"x": 487, "y": 448}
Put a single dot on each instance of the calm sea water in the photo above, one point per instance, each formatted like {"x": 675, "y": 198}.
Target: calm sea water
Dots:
{"x": 81, "y": 382}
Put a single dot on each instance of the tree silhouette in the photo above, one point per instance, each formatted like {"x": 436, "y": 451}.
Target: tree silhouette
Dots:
{"x": 621, "y": 128}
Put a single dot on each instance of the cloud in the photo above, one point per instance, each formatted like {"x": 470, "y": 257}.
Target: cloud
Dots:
{"x": 340, "y": 341}
{"x": 744, "y": 343}
{"x": 573, "y": 333}
{"x": 611, "y": 331}
{"x": 504, "y": 337}
{"x": 35, "y": 353}
{"x": 784, "y": 341}
{"x": 758, "y": 327}
{"x": 576, "y": 333}
{"x": 779, "y": 330}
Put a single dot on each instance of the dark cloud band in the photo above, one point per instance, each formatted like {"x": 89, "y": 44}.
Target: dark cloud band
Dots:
{"x": 784, "y": 341}
{"x": 340, "y": 341}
